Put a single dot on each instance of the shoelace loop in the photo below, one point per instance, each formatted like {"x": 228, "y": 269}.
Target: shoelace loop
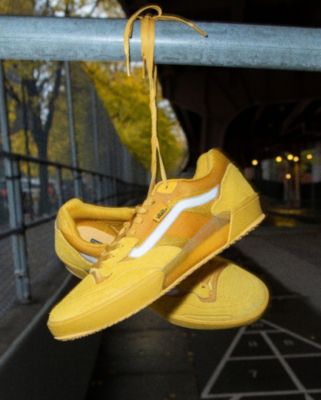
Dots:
{"x": 128, "y": 227}
{"x": 147, "y": 32}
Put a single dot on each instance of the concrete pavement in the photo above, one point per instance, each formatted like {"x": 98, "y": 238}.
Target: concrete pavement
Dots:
{"x": 277, "y": 358}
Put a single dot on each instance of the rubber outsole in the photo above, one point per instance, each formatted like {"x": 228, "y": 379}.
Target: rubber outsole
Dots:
{"x": 226, "y": 324}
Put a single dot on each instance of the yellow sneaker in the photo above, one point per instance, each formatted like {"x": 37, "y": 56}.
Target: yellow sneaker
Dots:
{"x": 220, "y": 295}
{"x": 181, "y": 226}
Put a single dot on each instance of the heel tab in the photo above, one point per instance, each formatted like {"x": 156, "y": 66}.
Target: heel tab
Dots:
{"x": 218, "y": 156}
{"x": 211, "y": 162}
{"x": 71, "y": 204}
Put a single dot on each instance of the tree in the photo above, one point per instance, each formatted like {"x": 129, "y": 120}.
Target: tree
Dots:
{"x": 34, "y": 90}
{"x": 35, "y": 86}
{"x": 127, "y": 101}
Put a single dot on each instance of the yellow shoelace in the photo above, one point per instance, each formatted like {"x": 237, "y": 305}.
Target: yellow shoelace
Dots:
{"x": 147, "y": 33}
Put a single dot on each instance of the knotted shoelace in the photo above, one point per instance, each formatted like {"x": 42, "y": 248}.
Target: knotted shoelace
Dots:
{"x": 147, "y": 33}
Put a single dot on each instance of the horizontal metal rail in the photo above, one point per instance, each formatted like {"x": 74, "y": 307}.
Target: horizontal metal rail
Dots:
{"x": 21, "y": 157}
{"x": 229, "y": 45}
{"x": 42, "y": 220}
{"x": 25, "y": 226}
{"x": 130, "y": 189}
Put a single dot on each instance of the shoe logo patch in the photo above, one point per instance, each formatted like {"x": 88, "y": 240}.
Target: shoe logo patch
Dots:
{"x": 169, "y": 218}
{"x": 161, "y": 213}
{"x": 210, "y": 286}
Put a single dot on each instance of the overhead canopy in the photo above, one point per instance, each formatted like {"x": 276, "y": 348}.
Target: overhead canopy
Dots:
{"x": 251, "y": 113}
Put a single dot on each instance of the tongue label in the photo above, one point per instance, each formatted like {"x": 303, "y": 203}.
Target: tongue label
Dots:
{"x": 161, "y": 213}
{"x": 93, "y": 240}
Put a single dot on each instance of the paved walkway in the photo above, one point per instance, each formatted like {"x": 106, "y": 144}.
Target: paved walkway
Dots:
{"x": 277, "y": 358}
{"x": 46, "y": 273}
{"x": 41, "y": 257}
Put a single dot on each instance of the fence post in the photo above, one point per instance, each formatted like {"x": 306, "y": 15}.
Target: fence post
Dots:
{"x": 95, "y": 139}
{"x": 71, "y": 130}
{"x": 18, "y": 240}
{"x": 60, "y": 193}
{"x": 101, "y": 189}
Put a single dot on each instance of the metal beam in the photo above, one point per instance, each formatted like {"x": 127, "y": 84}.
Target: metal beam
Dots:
{"x": 229, "y": 45}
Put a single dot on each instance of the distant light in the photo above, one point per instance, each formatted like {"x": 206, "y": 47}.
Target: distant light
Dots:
{"x": 309, "y": 156}
{"x": 290, "y": 157}
{"x": 278, "y": 159}
{"x": 296, "y": 159}
{"x": 288, "y": 176}
{"x": 255, "y": 162}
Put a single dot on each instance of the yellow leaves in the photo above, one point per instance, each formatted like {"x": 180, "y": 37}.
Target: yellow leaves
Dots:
{"x": 127, "y": 101}
{"x": 83, "y": 8}
{"x": 19, "y": 144}
{"x": 17, "y": 7}
{"x": 59, "y": 143}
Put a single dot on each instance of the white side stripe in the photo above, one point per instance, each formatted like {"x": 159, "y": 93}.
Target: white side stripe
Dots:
{"x": 170, "y": 218}
{"x": 88, "y": 258}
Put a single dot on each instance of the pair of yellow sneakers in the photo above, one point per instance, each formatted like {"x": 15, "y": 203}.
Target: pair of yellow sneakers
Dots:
{"x": 130, "y": 258}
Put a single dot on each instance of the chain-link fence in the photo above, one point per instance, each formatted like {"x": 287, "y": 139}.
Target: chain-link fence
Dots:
{"x": 57, "y": 142}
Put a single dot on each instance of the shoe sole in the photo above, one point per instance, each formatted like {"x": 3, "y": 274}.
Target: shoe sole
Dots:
{"x": 236, "y": 233}
{"x": 233, "y": 323}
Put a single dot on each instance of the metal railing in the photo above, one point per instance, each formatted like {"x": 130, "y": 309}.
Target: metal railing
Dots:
{"x": 91, "y": 185}
{"x": 22, "y": 216}
{"x": 228, "y": 45}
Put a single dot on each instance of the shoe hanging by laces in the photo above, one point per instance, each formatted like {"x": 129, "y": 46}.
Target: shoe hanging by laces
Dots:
{"x": 147, "y": 33}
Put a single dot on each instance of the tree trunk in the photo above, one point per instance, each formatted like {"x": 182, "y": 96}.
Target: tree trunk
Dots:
{"x": 40, "y": 132}
{"x": 44, "y": 200}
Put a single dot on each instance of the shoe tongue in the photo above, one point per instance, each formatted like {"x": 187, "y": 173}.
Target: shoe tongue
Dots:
{"x": 166, "y": 187}
{"x": 204, "y": 165}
